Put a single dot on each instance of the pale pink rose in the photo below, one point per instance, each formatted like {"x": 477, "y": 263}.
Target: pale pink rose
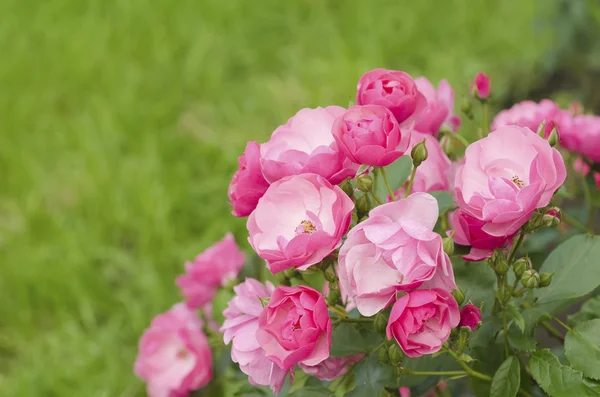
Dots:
{"x": 332, "y": 368}
{"x": 421, "y": 321}
{"x": 174, "y": 357}
{"x": 239, "y": 328}
{"x": 395, "y": 249}
{"x": 506, "y": 176}
{"x": 583, "y": 136}
{"x": 370, "y": 135}
{"x": 481, "y": 85}
{"x": 247, "y": 184}
{"x": 394, "y": 90}
{"x": 213, "y": 268}
{"x": 299, "y": 221}
{"x": 581, "y": 167}
{"x": 470, "y": 316}
{"x": 404, "y": 391}
{"x": 305, "y": 145}
{"x": 468, "y": 232}
{"x": 529, "y": 114}
{"x": 295, "y": 328}
{"x": 440, "y": 108}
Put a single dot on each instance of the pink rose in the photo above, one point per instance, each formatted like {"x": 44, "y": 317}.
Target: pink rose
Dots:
{"x": 305, "y": 145}
{"x": 211, "y": 269}
{"x": 440, "y": 108}
{"x": 404, "y": 391}
{"x": 295, "y": 328}
{"x": 174, "y": 357}
{"x": 239, "y": 328}
{"x": 247, "y": 184}
{"x": 506, "y": 176}
{"x": 470, "y": 316}
{"x": 468, "y": 232}
{"x": 421, "y": 321}
{"x": 332, "y": 368}
{"x": 583, "y": 168}
{"x": 481, "y": 86}
{"x": 583, "y": 136}
{"x": 394, "y": 90}
{"x": 528, "y": 114}
{"x": 395, "y": 249}
{"x": 299, "y": 221}
{"x": 370, "y": 135}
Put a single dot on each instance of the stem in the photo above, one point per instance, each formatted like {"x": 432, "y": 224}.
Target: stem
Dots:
{"x": 486, "y": 123}
{"x": 552, "y": 331}
{"x": 387, "y": 184}
{"x": 433, "y": 373}
{"x": 515, "y": 247}
{"x": 375, "y": 198}
{"x": 505, "y": 328}
{"x": 337, "y": 311}
{"x": 411, "y": 180}
{"x": 568, "y": 219}
{"x": 356, "y": 320}
{"x": 565, "y": 326}
{"x": 460, "y": 139}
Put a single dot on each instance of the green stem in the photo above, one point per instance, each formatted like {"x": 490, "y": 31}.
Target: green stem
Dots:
{"x": 375, "y": 198}
{"x": 337, "y": 311}
{"x": 433, "y": 373}
{"x": 486, "y": 123}
{"x": 460, "y": 139}
{"x": 355, "y": 320}
{"x": 565, "y": 326}
{"x": 552, "y": 331}
{"x": 505, "y": 329}
{"x": 411, "y": 180}
{"x": 387, "y": 184}
{"x": 569, "y": 220}
{"x": 515, "y": 247}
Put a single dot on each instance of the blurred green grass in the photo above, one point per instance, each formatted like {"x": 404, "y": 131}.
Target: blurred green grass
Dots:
{"x": 120, "y": 126}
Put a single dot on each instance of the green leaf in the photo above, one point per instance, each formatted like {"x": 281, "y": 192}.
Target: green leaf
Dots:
{"x": 521, "y": 341}
{"x": 476, "y": 280}
{"x": 507, "y": 379}
{"x": 582, "y": 348}
{"x": 488, "y": 360}
{"x": 516, "y": 316}
{"x": 312, "y": 391}
{"x": 397, "y": 173}
{"x": 556, "y": 379}
{"x": 371, "y": 376}
{"x": 589, "y": 310}
{"x": 444, "y": 199}
{"x": 348, "y": 339}
{"x": 575, "y": 264}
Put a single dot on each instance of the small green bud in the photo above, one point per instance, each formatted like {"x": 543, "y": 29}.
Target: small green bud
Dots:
{"x": 530, "y": 278}
{"x": 467, "y": 107}
{"x": 459, "y": 295}
{"x": 518, "y": 293}
{"x": 541, "y": 129}
{"x": 334, "y": 295}
{"x": 419, "y": 153}
{"x": 330, "y": 274}
{"x": 551, "y": 217}
{"x": 383, "y": 356}
{"x": 521, "y": 265}
{"x": 501, "y": 264}
{"x": 553, "y": 138}
{"x": 448, "y": 244}
{"x": 363, "y": 205}
{"x": 364, "y": 183}
{"x": 380, "y": 322}
{"x": 396, "y": 354}
{"x": 264, "y": 301}
{"x": 545, "y": 279}
{"x": 347, "y": 188}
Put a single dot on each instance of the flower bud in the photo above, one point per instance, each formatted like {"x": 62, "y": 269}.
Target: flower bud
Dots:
{"x": 448, "y": 244}
{"x": 530, "y": 278}
{"x": 500, "y": 264}
{"x": 363, "y": 205}
{"x": 364, "y": 183}
{"x": 552, "y": 217}
{"x": 419, "y": 153}
{"x": 383, "y": 356}
{"x": 334, "y": 296}
{"x": 396, "y": 354}
{"x": 521, "y": 265}
{"x": 541, "y": 130}
{"x": 470, "y": 316}
{"x": 347, "y": 188}
{"x": 330, "y": 274}
{"x": 380, "y": 322}
{"x": 545, "y": 279}
{"x": 553, "y": 138}
{"x": 481, "y": 86}
{"x": 459, "y": 295}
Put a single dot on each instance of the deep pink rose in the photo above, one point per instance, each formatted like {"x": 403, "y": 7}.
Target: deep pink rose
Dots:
{"x": 295, "y": 327}
{"x": 395, "y": 249}
{"x": 404, "y": 391}
{"x": 370, "y": 135}
{"x": 305, "y": 145}
{"x": 440, "y": 108}
{"x": 467, "y": 232}
{"x": 421, "y": 321}
{"x": 211, "y": 269}
{"x": 239, "y": 328}
{"x": 332, "y": 368}
{"x": 247, "y": 184}
{"x": 470, "y": 316}
{"x": 299, "y": 221}
{"x": 174, "y": 357}
{"x": 394, "y": 90}
{"x": 481, "y": 85}
{"x": 582, "y": 136}
{"x": 506, "y": 176}
{"x": 530, "y": 114}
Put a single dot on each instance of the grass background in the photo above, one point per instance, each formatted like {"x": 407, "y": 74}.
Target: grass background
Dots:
{"x": 120, "y": 125}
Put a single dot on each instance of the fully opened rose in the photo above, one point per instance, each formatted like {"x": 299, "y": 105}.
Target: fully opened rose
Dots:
{"x": 247, "y": 184}
{"x": 529, "y": 114}
{"x": 299, "y": 221}
{"x": 582, "y": 136}
{"x": 440, "y": 108}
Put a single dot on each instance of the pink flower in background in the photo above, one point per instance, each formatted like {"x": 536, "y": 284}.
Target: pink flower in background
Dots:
{"x": 421, "y": 321}
{"x": 174, "y": 357}
{"x": 295, "y": 328}
{"x": 332, "y": 368}
{"x": 583, "y": 168}
{"x": 299, "y": 221}
{"x": 468, "y": 232}
{"x": 211, "y": 269}
{"x": 506, "y": 176}
{"x": 440, "y": 108}
{"x": 239, "y": 328}
{"x": 394, "y": 90}
{"x": 583, "y": 136}
{"x": 370, "y": 135}
{"x": 247, "y": 184}
{"x": 395, "y": 249}
{"x": 305, "y": 145}
{"x": 481, "y": 86}
{"x": 470, "y": 316}
{"x": 530, "y": 114}
{"x": 404, "y": 391}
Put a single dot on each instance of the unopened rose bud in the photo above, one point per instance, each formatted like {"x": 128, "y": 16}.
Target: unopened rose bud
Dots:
{"x": 448, "y": 244}
{"x": 347, "y": 188}
{"x": 500, "y": 264}
{"x": 330, "y": 275}
{"x": 470, "y": 316}
{"x": 396, "y": 354}
{"x": 383, "y": 356}
{"x": 545, "y": 279}
{"x": 380, "y": 322}
{"x": 521, "y": 265}
{"x": 481, "y": 86}
{"x": 419, "y": 153}
{"x": 541, "y": 130}
{"x": 363, "y": 205}
{"x": 530, "y": 279}
{"x": 264, "y": 301}
{"x": 364, "y": 183}
{"x": 553, "y": 138}
{"x": 551, "y": 218}
{"x": 459, "y": 295}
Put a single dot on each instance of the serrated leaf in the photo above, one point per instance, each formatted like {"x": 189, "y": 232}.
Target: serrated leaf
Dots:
{"x": 487, "y": 361}
{"x": 589, "y": 310}
{"x": 371, "y": 376}
{"x": 582, "y": 348}
{"x": 444, "y": 199}
{"x": 556, "y": 379}
{"x": 521, "y": 341}
{"x": 516, "y": 316}
{"x": 506, "y": 379}
{"x": 347, "y": 339}
{"x": 397, "y": 173}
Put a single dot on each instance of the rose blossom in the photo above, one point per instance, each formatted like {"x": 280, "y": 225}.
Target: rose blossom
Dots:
{"x": 583, "y": 168}
{"x": 247, "y": 184}
{"x": 467, "y": 232}
{"x": 440, "y": 108}
{"x": 395, "y": 249}
{"x": 295, "y": 328}
{"x": 481, "y": 85}
{"x": 421, "y": 321}
{"x": 394, "y": 90}
{"x": 239, "y": 328}
{"x": 404, "y": 391}
{"x": 211, "y": 269}
{"x": 305, "y": 145}
{"x": 528, "y": 114}
{"x": 506, "y": 176}
{"x": 299, "y": 221}
{"x": 370, "y": 135}
{"x": 583, "y": 136}
{"x": 470, "y": 316}
{"x": 332, "y": 368}
{"x": 174, "y": 357}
